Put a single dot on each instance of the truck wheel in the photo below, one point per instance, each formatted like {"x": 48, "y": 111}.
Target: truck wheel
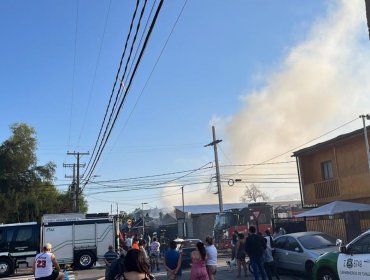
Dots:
{"x": 5, "y": 267}
{"x": 326, "y": 274}
{"x": 85, "y": 260}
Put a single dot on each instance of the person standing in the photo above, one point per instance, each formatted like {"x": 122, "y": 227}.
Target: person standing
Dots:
{"x": 142, "y": 248}
{"x": 211, "y": 263}
{"x": 269, "y": 263}
{"x": 240, "y": 255}
{"x": 234, "y": 240}
{"x": 117, "y": 267}
{"x": 198, "y": 263}
{"x": 154, "y": 252}
{"x": 255, "y": 246}
{"x": 172, "y": 262}
{"x": 42, "y": 268}
{"x": 109, "y": 257}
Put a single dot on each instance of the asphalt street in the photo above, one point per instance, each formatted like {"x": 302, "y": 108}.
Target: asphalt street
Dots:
{"x": 223, "y": 273}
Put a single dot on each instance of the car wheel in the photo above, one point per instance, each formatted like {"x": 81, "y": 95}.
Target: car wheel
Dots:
{"x": 85, "y": 260}
{"x": 309, "y": 265}
{"x": 326, "y": 274}
{"x": 5, "y": 267}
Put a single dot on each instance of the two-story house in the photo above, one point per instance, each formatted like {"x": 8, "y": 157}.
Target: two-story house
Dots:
{"x": 336, "y": 169}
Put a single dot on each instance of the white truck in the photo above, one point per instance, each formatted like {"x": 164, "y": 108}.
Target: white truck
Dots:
{"x": 76, "y": 241}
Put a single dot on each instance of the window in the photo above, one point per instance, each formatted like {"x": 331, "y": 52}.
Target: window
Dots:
{"x": 361, "y": 246}
{"x": 317, "y": 241}
{"x": 9, "y": 235}
{"x": 292, "y": 245}
{"x": 280, "y": 242}
{"x": 327, "y": 170}
{"x": 24, "y": 234}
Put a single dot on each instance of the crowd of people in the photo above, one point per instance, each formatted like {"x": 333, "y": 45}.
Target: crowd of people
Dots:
{"x": 260, "y": 250}
{"x": 137, "y": 259}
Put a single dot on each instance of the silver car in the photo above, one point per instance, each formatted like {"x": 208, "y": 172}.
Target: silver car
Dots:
{"x": 299, "y": 251}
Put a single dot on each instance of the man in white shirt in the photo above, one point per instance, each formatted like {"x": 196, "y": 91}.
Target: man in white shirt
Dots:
{"x": 44, "y": 263}
{"x": 211, "y": 263}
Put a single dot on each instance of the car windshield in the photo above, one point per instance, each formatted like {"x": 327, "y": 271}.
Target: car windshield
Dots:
{"x": 317, "y": 241}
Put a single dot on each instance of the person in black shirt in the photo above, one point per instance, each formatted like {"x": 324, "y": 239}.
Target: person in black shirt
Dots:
{"x": 255, "y": 245}
{"x": 109, "y": 257}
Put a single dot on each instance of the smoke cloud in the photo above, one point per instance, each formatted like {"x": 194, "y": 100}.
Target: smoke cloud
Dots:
{"x": 322, "y": 82}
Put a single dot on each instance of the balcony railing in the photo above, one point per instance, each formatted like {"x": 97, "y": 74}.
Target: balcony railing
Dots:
{"x": 344, "y": 188}
{"x": 327, "y": 189}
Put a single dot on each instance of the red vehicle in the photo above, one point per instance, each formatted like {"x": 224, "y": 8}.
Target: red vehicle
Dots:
{"x": 256, "y": 214}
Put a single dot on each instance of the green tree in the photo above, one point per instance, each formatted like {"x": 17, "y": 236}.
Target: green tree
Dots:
{"x": 26, "y": 189}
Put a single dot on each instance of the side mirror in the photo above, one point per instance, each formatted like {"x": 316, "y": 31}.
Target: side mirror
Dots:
{"x": 338, "y": 242}
{"x": 343, "y": 249}
{"x": 297, "y": 249}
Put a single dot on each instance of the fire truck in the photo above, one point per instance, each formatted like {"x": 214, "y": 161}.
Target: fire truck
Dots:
{"x": 256, "y": 214}
{"x": 77, "y": 240}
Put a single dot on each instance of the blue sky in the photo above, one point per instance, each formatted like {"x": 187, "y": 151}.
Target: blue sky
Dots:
{"x": 224, "y": 61}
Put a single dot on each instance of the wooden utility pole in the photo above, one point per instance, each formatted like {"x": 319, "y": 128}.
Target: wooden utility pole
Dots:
{"x": 77, "y": 185}
{"x": 219, "y": 190}
{"x": 73, "y": 185}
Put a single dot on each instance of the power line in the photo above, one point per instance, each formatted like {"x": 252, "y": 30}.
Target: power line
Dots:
{"x": 115, "y": 82}
{"x": 128, "y": 86}
{"x": 95, "y": 72}
{"x": 154, "y": 66}
{"x": 100, "y": 148}
{"x": 113, "y": 111}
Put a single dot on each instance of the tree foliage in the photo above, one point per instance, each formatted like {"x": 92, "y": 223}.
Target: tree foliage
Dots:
{"x": 26, "y": 189}
{"x": 252, "y": 193}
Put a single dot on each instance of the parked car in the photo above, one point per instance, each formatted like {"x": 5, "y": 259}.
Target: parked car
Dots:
{"x": 299, "y": 251}
{"x": 188, "y": 246}
{"x": 349, "y": 262}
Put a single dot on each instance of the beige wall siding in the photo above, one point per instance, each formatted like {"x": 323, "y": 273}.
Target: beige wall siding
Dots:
{"x": 350, "y": 169}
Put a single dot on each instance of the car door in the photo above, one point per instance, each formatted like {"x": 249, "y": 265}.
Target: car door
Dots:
{"x": 4, "y": 247}
{"x": 23, "y": 241}
{"x": 355, "y": 263}
{"x": 280, "y": 250}
{"x": 294, "y": 255}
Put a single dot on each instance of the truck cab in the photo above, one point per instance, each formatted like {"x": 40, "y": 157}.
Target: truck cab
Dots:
{"x": 19, "y": 243}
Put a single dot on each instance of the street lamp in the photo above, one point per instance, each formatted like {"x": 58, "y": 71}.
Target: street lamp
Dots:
{"x": 142, "y": 215}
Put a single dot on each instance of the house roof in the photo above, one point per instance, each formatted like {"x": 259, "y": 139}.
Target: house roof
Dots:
{"x": 210, "y": 208}
{"x": 324, "y": 144}
{"x": 335, "y": 207}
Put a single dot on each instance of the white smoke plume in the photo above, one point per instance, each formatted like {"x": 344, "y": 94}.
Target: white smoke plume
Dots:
{"x": 322, "y": 83}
